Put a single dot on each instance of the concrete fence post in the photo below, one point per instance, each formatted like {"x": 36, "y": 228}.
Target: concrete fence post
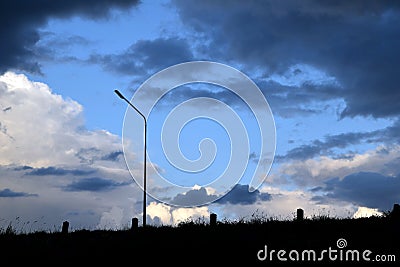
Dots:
{"x": 135, "y": 224}
{"x": 300, "y": 214}
{"x": 395, "y": 213}
{"x": 213, "y": 219}
{"x": 65, "y": 226}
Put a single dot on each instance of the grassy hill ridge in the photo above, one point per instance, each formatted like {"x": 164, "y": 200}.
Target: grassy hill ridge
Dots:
{"x": 202, "y": 243}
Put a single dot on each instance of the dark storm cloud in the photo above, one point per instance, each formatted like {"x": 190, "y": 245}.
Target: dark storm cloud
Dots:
{"x": 22, "y": 168}
{"x": 94, "y": 184}
{"x": 317, "y": 147}
{"x": 92, "y": 154}
{"x": 88, "y": 155}
{"x": 53, "y": 47}
{"x": 146, "y": 56}
{"x": 113, "y": 156}
{"x": 366, "y": 189}
{"x": 193, "y": 197}
{"x": 389, "y": 135}
{"x": 52, "y": 40}
{"x": 299, "y": 100}
{"x": 354, "y": 41}
{"x": 186, "y": 92}
{"x": 20, "y": 19}
{"x": 58, "y": 171}
{"x": 9, "y": 193}
{"x": 240, "y": 195}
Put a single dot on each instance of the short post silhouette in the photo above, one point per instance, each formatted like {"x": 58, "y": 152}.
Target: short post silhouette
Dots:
{"x": 135, "y": 224}
{"x": 65, "y": 226}
{"x": 300, "y": 214}
{"x": 395, "y": 213}
{"x": 213, "y": 219}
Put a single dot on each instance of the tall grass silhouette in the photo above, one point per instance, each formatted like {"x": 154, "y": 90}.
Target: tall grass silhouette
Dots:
{"x": 195, "y": 240}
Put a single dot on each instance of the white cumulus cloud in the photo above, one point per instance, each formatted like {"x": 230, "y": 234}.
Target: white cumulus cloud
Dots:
{"x": 52, "y": 167}
{"x": 41, "y": 128}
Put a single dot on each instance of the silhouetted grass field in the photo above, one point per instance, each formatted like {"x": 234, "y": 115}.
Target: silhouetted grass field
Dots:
{"x": 198, "y": 243}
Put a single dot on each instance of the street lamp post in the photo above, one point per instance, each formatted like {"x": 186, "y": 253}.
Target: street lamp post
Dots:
{"x": 144, "y": 153}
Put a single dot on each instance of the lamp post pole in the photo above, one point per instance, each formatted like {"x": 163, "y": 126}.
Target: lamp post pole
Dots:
{"x": 144, "y": 153}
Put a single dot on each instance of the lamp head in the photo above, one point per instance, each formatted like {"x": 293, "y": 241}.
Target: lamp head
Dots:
{"x": 119, "y": 94}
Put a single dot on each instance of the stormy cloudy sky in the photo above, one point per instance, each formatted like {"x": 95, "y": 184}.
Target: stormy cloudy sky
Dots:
{"x": 328, "y": 69}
